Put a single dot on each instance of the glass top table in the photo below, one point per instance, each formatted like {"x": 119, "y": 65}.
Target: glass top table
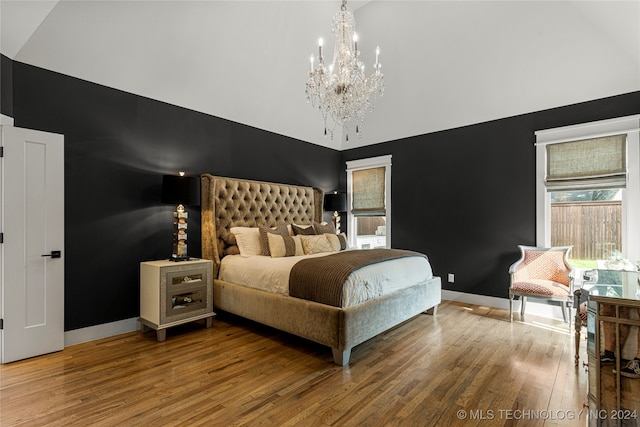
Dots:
{"x": 618, "y": 287}
{"x": 611, "y": 284}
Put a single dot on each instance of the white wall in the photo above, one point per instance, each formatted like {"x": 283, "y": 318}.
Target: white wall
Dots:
{"x": 446, "y": 63}
{"x": 450, "y": 64}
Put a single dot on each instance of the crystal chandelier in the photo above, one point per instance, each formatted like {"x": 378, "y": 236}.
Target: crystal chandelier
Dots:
{"x": 342, "y": 92}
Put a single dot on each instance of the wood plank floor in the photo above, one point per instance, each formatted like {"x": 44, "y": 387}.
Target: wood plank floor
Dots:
{"x": 422, "y": 373}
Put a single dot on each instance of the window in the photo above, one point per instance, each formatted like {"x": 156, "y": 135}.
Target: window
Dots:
{"x": 369, "y": 202}
{"x": 588, "y": 190}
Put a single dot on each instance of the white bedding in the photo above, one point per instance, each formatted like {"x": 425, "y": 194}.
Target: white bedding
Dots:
{"x": 272, "y": 274}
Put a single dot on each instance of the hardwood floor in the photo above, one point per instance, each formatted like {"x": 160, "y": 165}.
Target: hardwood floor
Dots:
{"x": 422, "y": 373}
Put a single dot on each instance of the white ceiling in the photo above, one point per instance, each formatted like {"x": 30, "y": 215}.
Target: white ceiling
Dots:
{"x": 446, "y": 63}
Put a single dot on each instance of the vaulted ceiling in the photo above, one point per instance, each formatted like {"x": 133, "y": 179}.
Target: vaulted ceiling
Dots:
{"x": 446, "y": 63}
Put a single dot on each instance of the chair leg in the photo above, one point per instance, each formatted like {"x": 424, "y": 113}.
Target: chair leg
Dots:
{"x": 523, "y": 303}
{"x": 564, "y": 312}
{"x": 510, "y": 308}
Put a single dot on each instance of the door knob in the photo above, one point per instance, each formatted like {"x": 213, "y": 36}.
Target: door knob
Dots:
{"x": 54, "y": 254}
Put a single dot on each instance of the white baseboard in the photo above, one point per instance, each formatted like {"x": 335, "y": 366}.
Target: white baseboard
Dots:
{"x": 552, "y": 311}
{"x": 92, "y": 333}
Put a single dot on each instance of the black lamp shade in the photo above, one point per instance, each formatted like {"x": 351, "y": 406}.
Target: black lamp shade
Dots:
{"x": 335, "y": 202}
{"x": 183, "y": 190}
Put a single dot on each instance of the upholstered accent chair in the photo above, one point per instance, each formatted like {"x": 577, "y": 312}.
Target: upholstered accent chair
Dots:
{"x": 542, "y": 273}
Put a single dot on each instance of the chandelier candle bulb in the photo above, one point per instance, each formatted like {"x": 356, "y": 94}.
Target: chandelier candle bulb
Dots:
{"x": 320, "y": 43}
{"x": 311, "y": 60}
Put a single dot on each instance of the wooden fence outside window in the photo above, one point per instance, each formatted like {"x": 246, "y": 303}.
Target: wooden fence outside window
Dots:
{"x": 593, "y": 228}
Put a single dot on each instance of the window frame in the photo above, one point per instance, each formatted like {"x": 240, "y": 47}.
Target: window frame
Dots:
{"x": 369, "y": 163}
{"x": 629, "y": 125}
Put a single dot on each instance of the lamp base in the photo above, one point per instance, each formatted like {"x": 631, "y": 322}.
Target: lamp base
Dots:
{"x": 179, "y": 235}
{"x": 336, "y": 221}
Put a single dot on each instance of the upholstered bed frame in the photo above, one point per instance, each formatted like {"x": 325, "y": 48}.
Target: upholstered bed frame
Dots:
{"x": 229, "y": 202}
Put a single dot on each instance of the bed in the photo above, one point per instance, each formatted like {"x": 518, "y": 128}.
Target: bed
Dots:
{"x": 230, "y": 202}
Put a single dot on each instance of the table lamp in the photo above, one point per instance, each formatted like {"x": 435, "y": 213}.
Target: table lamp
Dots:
{"x": 336, "y": 202}
{"x": 181, "y": 190}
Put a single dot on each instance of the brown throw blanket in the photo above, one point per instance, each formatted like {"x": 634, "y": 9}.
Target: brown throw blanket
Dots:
{"x": 321, "y": 279}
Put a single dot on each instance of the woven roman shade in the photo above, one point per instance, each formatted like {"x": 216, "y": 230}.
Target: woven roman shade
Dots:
{"x": 587, "y": 164}
{"x": 368, "y": 192}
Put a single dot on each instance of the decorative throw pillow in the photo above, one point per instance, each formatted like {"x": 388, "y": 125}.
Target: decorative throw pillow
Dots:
{"x": 305, "y": 230}
{"x": 280, "y": 230}
{"x": 315, "y": 244}
{"x": 324, "y": 228}
{"x": 280, "y": 246}
{"x": 333, "y": 241}
{"x": 338, "y": 241}
{"x": 248, "y": 240}
{"x": 343, "y": 241}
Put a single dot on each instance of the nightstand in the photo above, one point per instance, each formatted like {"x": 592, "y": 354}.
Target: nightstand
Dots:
{"x": 173, "y": 293}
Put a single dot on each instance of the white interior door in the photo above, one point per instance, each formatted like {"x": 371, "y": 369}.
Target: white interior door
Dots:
{"x": 31, "y": 255}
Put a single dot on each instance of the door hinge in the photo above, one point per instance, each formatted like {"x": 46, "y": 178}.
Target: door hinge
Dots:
{"x": 1, "y": 237}
{"x": 1, "y": 324}
{"x": 1, "y": 151}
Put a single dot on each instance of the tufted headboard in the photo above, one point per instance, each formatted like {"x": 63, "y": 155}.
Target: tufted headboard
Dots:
{"x": 231, "y": 202}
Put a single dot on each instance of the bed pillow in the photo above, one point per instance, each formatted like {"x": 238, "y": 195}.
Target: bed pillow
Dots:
{"x": 305, "y": 230}
{"x": 324, "y": 228}
{"x": 248, "y": 240}
{"x": 280, "y": 230}
{"x": 344, "y": 243}
{"x": 338, "y": 241}
{"x": 281, "y": 246}
{"x": 315, "y": 244}
{"x": 232, "y": 250}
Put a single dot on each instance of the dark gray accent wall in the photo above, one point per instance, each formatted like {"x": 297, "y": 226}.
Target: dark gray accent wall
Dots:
{"x": 466, "y": 196}
{"x": 117, "y": 147}
{"x": 6, "y": 86}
